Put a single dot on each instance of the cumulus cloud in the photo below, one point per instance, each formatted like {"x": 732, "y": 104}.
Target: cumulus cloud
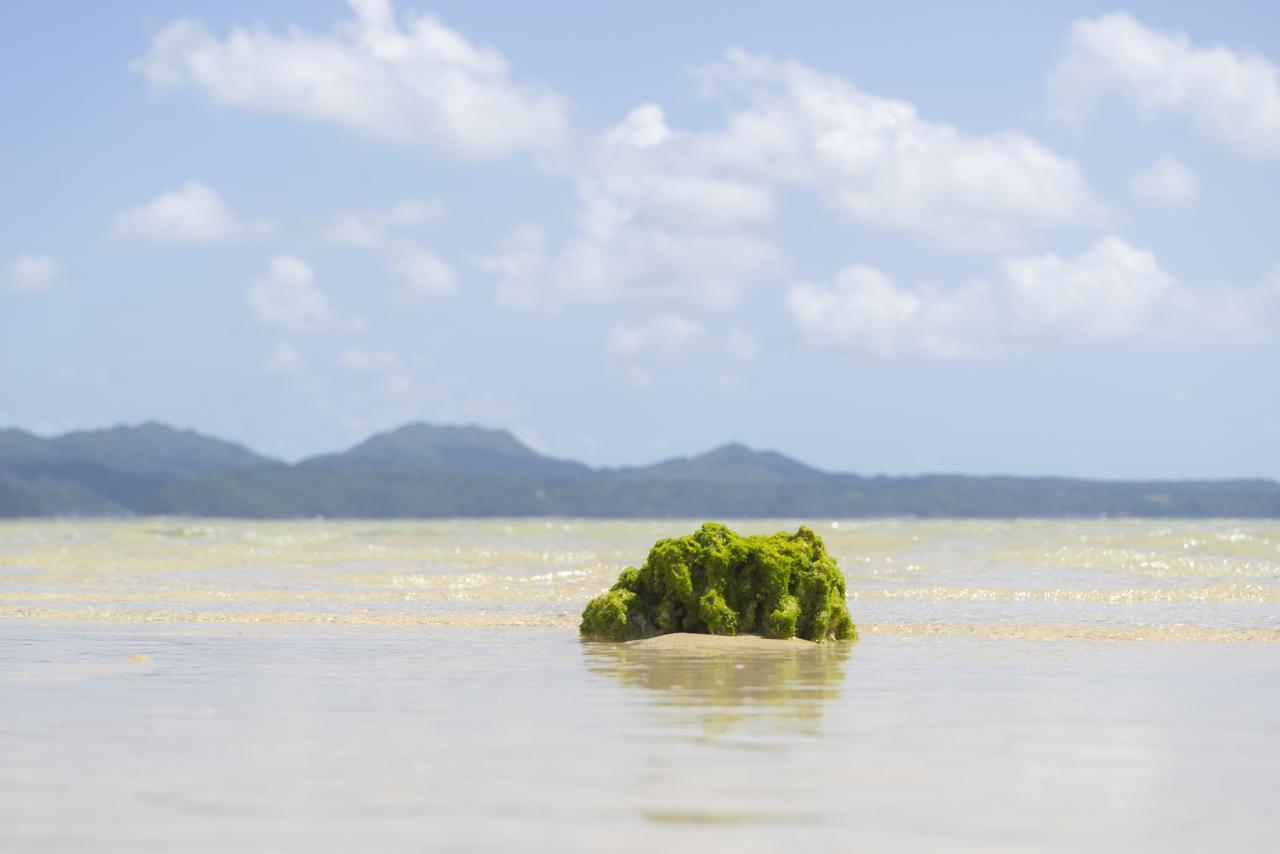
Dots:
{"x": 421, "y": 272}
{"x": 418, "y": 84}
{"x": 657, "y": 223}
{"x": 865, "y": 310}
{"x": 1112, "y": 291}
{"x": 660, "y": 223}
{"x": 29, "y": 274}
{"x": 685, "y": 218}
{"x": 1230, "y": 96}
{"x": 1166, "y": 183}
{"x": 192, "y": 214}
{"x": 286, "y": 297}
{"x": 618, "y": 256}
{"x": 886, "y": 166}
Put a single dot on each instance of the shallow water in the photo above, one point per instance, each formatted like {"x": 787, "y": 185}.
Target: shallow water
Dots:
{"x": 300, "y": 686}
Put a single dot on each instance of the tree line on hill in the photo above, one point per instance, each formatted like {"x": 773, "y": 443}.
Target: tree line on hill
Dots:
{"x": 424, "y": 470}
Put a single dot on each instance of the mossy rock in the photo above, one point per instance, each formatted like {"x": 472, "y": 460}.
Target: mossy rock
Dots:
{"x": 721, "y": 583}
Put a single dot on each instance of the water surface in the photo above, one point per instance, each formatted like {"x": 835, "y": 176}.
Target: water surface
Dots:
{"x": 301, "y": 686}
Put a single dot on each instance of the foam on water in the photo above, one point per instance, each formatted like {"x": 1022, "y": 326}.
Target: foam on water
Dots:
{"x": 1116, "y": 579}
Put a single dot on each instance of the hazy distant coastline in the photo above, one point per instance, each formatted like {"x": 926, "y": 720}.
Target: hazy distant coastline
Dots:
{"x": 423, "y": 470}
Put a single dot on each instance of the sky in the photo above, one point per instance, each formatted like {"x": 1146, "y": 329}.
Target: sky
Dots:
{"x": 879, "y": 237}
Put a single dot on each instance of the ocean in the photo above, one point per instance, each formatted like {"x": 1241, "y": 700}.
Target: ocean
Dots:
{"x": 1018, "y": 685}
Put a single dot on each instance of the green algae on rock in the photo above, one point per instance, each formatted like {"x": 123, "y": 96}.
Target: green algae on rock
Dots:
{"x": 721, "y": 583}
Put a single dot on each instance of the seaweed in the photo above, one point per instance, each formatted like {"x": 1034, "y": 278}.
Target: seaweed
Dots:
{"x": 719, "y": 582}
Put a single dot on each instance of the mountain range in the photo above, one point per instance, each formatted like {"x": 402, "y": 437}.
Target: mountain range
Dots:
{"x": 424, "y": 470}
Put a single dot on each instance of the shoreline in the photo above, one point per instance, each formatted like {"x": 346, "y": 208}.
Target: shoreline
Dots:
{"x": 677, "y": 641}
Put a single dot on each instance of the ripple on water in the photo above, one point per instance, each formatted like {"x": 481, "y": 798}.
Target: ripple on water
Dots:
{"x": 1114, "y": 579}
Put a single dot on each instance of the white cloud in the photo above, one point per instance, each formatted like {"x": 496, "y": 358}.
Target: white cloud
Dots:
{"x": 1112, "y": 291}
{"x": 28, "y": 274}
{"x": 618, "y": 256}
{"x": 885, "y": 166}
{"x": 421, "y": 84}
{"x": 1166, "y": 183}
{"x": 864, "y": 310}
{"x": 644, "y": 127}
{"x": 192, "y": 214}
{"x": 657, "y": 224}
{"x": 685, "y": 219}
{"x": 286, "y": 297}
{"x": 381, "y": 230}
{"x": 658, "y": 175}
{"x": 284, "y": 360}
{"x": 1230, "y": 96}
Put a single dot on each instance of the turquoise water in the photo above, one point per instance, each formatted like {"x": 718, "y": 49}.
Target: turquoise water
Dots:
{"x": 301, "y": 686}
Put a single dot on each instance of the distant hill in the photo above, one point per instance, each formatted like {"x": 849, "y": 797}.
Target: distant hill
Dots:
{"x": 109, "y": 471}
{"x": 150, "y": 447}
{"x": 430, "y": 449}
{"x": 155, "y": 447}
{"x": 18, "y": 447}
{"x": 424, "y": 470}
{"x": 732, "y": 463}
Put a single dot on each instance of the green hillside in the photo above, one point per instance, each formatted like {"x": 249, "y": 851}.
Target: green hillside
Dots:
{"x": 423, "y": 470}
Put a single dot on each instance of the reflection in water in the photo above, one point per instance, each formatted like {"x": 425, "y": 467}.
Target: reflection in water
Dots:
{"x": 724, "y": 683}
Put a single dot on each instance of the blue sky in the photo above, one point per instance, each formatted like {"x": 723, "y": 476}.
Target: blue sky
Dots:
{"x": 898, "y": 238}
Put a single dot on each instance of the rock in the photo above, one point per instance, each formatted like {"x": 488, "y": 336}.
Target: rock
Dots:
{"x": 718, "y": 582}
